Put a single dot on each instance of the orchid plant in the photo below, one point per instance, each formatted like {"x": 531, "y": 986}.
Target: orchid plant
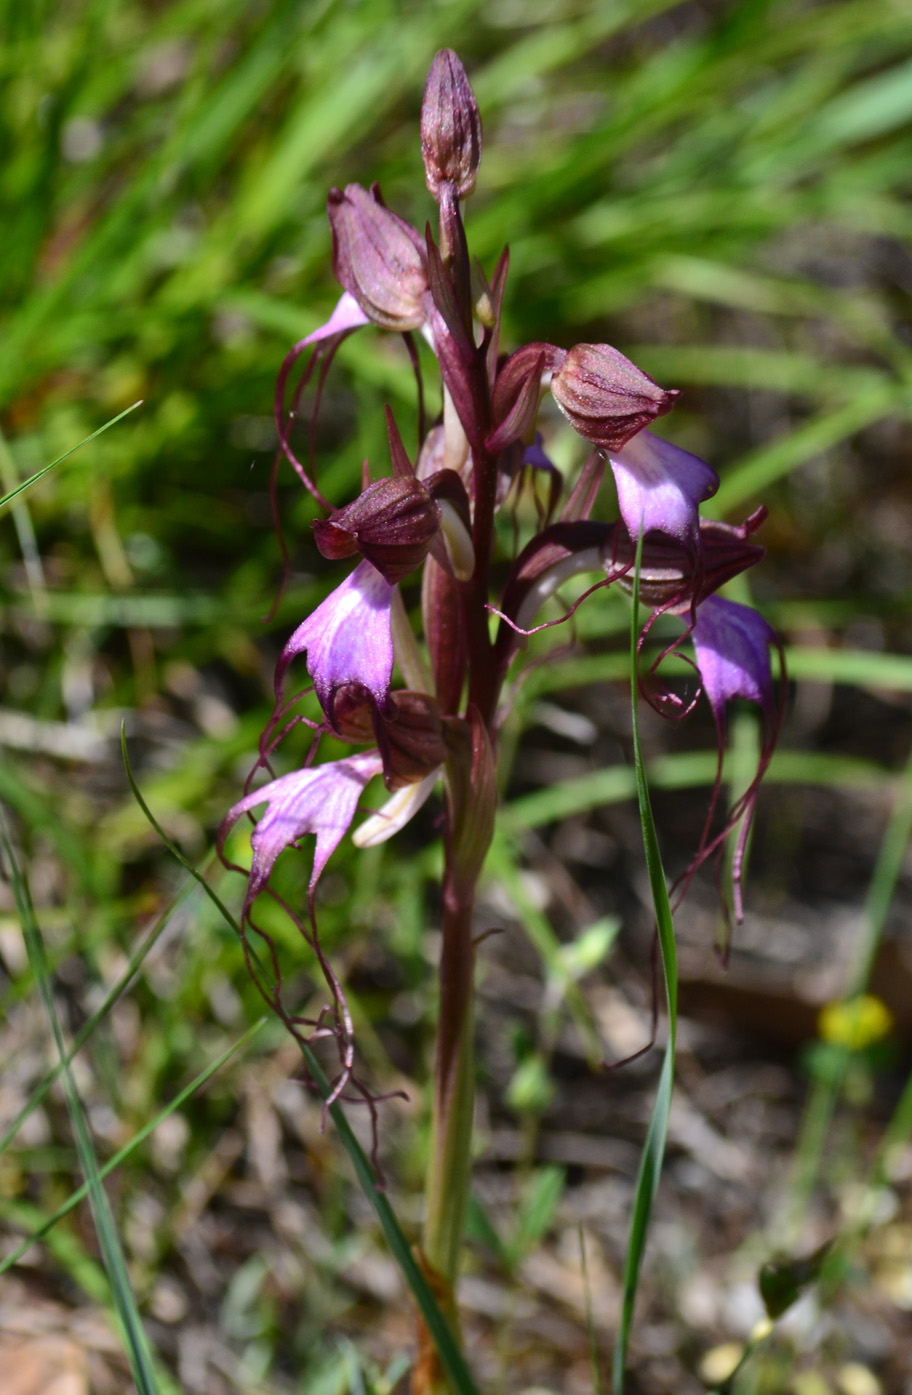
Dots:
{"x": 427, "y": 706}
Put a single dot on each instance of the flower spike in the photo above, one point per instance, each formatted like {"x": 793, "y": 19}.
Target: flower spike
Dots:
{"x": 478, "y": 510}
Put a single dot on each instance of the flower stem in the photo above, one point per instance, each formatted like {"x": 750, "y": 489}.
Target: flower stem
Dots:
{"x": 454, "y": 1092}
{"x": 449, "y": 1167}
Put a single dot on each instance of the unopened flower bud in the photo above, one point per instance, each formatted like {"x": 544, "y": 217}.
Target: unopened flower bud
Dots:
{"x": 392, "y": 524}
{"x": 605, "y": 397}
{"x": 378, "y": 259}
{"x": 450, "y": 127}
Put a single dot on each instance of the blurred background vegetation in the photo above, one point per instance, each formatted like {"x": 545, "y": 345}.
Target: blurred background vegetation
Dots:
{"x": 721, "y": 190}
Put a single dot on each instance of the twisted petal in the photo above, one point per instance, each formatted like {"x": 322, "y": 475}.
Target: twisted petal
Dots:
{"x": 320, "y": 800}
{"x": 348, "y": 641}
{"x": 557, "y": 553}
{"x": 732, "y": 643}
{"x": 660, "y": 487}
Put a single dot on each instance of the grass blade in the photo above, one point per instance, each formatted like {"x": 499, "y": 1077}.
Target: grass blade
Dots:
{"x": 89, "y": 1026}
{"x": 124, "y": 1300}
{"x": 451, "y": 1357}
{"x": 33, "y": 479}
{"x": 654, "y": 1146}
{"x": 139, "y": 1137}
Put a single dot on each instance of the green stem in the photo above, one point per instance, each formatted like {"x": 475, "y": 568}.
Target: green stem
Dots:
{"x": 449, "y": 1167}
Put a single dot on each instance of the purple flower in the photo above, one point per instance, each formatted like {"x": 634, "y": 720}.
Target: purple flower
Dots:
{"x": 320, "y": 800}
{"x": 733, "y": 655}
{"x": 348, "y": 641}
{"x": 733, "y": 644}
{"x": 660, "y": 487}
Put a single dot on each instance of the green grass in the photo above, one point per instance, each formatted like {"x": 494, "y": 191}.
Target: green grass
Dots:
{"x": 720, "y": 191}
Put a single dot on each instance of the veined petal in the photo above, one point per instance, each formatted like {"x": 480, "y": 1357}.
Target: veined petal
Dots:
{"x": 396, "y": 812}
{"x": 378, "y": 258}
{"x": 605, "y": 397}
{"x": 660, "y": 487}
{"x": 320, "y": 800}
{"x": 348, "y": 641}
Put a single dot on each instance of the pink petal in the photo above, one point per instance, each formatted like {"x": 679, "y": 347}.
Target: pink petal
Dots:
{"x": 319, "y": 800}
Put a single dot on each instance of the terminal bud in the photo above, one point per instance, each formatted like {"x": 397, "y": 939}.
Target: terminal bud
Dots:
{"x": 450, "y": 127}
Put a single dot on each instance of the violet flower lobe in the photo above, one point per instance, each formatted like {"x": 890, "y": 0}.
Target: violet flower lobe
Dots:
{"x": 732, "y": 644}
{"x": 348, "y": 642}
{"x": 661, "y": 487}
